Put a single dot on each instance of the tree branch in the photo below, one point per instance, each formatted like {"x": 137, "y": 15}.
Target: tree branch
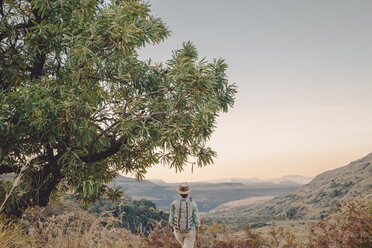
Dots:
{"x": 24, "y": 25}
{"x": 39, "y": 60}
{"x": 4, "y": 168}
{"x": 115, "y": 147}
{"x": 52, "y": 161}
{"x": 1, "y": 8}
{"x": 16, "y": 180}
{"x": 151, "y": 93}
{"x": 101, "y": 134}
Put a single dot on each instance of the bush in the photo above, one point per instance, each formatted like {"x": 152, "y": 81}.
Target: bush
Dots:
{"x": 350, "y": 227}
{"x": 137, "y": 216}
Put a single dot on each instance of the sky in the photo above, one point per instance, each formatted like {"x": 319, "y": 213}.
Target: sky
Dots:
{"x": 304, "y": 76}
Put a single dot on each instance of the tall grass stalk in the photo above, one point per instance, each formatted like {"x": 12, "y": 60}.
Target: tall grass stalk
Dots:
{"x": 15, "y": 183}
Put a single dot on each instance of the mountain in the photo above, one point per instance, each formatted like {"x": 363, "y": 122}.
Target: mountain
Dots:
{"x": 284, "y": 180}
{"x": 292, "y": 180}
{"x": 246, "y": 181}
{"x": 159, "y": 182}
{"x": 207, "y": 195}
{"x": 311, "y": 201}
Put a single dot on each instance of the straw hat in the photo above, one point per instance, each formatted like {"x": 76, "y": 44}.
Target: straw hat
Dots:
{"x": 183, "y": 189}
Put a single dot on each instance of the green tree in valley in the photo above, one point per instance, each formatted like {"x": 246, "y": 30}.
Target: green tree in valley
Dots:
{"x": 138, "y": 216}
{"x": 77, "y": 106}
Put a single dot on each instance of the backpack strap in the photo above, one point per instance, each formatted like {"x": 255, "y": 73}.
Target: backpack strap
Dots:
{"x": 179, "y": 216}
{"x": 187, "y": 216}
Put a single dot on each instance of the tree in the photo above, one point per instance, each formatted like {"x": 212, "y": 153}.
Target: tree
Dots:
{"x": 77, "y": 106}
{"x": 137, "y": 216}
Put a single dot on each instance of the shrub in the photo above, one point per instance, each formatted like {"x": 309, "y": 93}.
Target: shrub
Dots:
{"x": 350, "y": 227}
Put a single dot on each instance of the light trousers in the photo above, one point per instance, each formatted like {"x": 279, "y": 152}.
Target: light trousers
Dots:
{"x": 186, "y": 239}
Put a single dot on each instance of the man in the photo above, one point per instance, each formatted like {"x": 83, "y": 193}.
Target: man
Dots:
{"x": 184, "y": 217}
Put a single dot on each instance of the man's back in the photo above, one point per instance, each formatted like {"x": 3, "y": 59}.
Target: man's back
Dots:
{"x": 184, "y": 214}
{"x": 184, "y": 218}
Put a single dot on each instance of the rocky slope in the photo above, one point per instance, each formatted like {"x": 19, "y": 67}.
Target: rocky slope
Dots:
{"x": 311, "y": 201}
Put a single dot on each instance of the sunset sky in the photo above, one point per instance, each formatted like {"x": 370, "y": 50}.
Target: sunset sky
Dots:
{"x": 304, "y": 76}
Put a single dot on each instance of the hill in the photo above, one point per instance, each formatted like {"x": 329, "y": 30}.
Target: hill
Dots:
{"x": 295, "y": 180}
{"x": 207, "y": 195}
{"x": 311, "y": 201}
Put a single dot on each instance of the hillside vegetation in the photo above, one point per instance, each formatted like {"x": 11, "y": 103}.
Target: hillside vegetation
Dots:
{"x": 349, "y": 226}
{"x": 136, "y": 216}
{"x": 311, "y": 201}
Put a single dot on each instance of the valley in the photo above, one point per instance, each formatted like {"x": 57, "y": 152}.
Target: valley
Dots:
{"x": 248, "y": 201}
{"x": 207, "y": 195}
{"x": 312, "y": 201}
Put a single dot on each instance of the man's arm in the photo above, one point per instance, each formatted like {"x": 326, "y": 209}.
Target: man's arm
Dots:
{"x": 171, "y": 215}
{"x": 195, "y": 216}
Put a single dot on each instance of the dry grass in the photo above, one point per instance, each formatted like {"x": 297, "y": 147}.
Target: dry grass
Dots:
{"x": 69, "y": 230}
{"x": 298, "y": 227}
{"x": 350, "y": 226}
{"x": 75, "y": 229}
{"x": 11, "y": 235}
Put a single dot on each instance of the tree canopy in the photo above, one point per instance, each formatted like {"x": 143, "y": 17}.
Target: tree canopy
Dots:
{"x": 77, "y": 105}
{"x": 138, "y": 216}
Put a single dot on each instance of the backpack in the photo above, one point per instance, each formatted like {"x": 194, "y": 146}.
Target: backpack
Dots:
{"x": 183, "y": 220}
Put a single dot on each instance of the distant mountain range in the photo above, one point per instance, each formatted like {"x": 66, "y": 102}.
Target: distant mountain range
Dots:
{"x": 311, "y": 201}
{"x": 284, "y": 180}
{"x": 208, "y": 195}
